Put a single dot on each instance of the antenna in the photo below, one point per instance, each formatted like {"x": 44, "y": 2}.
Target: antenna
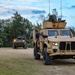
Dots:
{"x": 49, "y": 7}
{"x": 61, "y": 9}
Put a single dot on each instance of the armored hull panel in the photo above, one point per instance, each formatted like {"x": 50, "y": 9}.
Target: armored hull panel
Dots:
{"x": 57, "y": 25}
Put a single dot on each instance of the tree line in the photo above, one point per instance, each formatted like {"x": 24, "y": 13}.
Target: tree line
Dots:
{"x": 15, "y": 26}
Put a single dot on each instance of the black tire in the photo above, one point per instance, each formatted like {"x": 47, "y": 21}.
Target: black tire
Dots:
{"x": 14, "y": 47}
{"x": 25, "y": 46}
{"x": 36, "y": 55}
{"x": 46, "y": 58}
{"x": 0, "y": 46}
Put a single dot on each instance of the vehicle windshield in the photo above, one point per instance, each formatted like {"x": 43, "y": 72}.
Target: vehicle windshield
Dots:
{"x": 65, "y": 32}
{"x": 52, "y": 32}
{"x": 19, "y": 38}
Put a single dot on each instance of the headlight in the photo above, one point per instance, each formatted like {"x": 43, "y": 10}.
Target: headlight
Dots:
{"x": 55, "y": 43}
{"x": 23, "y": 40}
{"x": 14, "y": 40}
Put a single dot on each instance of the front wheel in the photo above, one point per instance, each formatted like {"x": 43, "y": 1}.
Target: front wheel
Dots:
{"x": 46, "y": 58}
{"x": 25, "y": 46}
{"x": 36, "y": 55}
{"x": 14, "y": 47}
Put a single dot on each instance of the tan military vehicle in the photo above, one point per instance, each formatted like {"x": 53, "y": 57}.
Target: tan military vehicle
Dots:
{"x": 19, "y": 42}
{"x": 54, "y": 41}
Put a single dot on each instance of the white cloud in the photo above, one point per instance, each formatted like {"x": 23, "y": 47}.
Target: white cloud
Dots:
{"x": 25, "y": 7}
{"x": 18, "y": 2}
{"x": 5, "y": 9}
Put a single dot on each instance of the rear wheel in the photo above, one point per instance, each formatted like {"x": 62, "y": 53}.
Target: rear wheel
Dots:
{"x": 46, "y": 58}
{"x": 36, "y": 55}
{"x": 0, "y": 46}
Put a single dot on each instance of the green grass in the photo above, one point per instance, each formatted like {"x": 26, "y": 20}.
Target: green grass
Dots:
{"x": 20, "y": 66}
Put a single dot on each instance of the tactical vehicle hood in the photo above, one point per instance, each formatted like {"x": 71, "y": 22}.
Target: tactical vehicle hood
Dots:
{"x": 61, "y": 38}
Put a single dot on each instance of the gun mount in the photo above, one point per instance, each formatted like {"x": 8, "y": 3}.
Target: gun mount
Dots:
{"x": 53, "y": 23}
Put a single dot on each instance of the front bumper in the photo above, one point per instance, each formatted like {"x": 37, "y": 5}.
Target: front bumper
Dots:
{"x": 19, "y": 43}
{"x": 60, "y": 52}
{"x": 63, "y": 53}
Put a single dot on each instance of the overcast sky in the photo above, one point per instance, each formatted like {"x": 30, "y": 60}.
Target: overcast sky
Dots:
{"x": 32, "y": 9}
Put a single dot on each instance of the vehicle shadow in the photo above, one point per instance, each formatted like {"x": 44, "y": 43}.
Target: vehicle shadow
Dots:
{"x": 19, "y": 48}
{"x": 62, "y": 62}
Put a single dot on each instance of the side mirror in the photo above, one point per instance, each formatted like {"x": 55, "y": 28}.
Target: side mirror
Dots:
{"x": 44, "y": 36}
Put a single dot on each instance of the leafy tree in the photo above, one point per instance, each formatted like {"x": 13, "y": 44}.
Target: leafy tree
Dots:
{"x": 13, "y": 27}
{"x": 38, "y": 26}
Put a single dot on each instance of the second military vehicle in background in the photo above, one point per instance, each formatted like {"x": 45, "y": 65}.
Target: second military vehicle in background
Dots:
{"x": 19, "y": 42}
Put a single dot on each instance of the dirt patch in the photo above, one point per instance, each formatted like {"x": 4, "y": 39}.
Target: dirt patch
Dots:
{"x": 19, "y": 51}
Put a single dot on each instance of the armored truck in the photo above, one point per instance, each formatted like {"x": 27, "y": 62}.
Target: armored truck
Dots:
{"x": 19, "y": 42}
{"x": 54, "y": 41}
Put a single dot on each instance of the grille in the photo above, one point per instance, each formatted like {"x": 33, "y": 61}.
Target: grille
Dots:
{"x": 67, "y": 46}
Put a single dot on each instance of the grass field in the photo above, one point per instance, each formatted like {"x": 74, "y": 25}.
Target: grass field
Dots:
{"x": 19, "y": 62}
{"x": 18, "y": 66}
